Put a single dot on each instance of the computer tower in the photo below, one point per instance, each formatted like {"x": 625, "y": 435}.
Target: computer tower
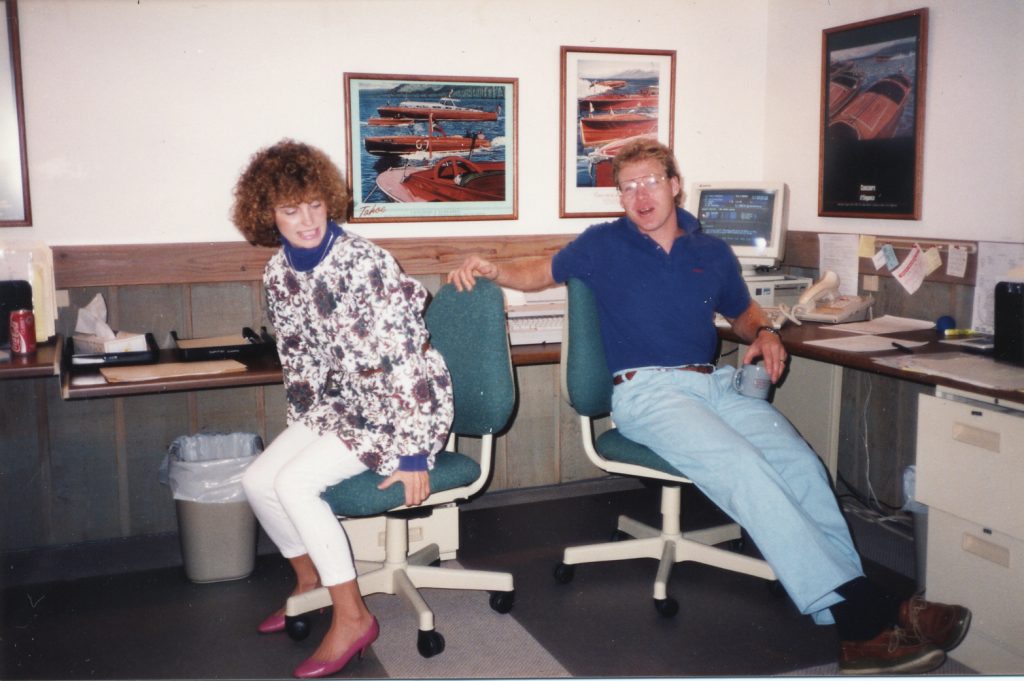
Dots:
{"x": 1008, "y": 344}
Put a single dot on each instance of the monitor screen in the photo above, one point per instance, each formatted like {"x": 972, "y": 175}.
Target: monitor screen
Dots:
{"x": 749, "y": 216}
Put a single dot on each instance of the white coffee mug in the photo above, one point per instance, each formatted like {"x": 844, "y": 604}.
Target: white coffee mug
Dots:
{"x": 752, "y": 380}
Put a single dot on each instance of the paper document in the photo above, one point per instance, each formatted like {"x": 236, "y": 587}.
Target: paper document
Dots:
{"x": 995, "y": 264}
{"x": 864, "y": 343}
{"x": 885, "y": 324}
{"x": 962, "y": 367}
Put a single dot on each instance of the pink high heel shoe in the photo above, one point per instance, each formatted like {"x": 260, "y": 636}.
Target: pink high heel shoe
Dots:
{"x": 313, "y": 669}
{"x": 272, "y": 624}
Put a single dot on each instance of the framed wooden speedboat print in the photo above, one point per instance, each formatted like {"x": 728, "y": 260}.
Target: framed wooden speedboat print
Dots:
{"x": 431, "y": 148}
{"x": 608, "y": 97}
{"x": 872, "y": 117}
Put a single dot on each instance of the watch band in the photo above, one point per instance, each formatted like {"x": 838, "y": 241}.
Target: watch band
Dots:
{"x": 769, "y": 329}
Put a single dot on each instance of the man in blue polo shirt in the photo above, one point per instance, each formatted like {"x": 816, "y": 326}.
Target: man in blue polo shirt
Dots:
{"x": 658, "y": 280}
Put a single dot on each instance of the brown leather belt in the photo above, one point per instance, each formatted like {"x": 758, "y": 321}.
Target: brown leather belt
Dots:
{"x": 619, "y": 379}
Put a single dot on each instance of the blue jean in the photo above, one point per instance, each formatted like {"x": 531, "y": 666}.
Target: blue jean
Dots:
{"x": 748, "y": 459}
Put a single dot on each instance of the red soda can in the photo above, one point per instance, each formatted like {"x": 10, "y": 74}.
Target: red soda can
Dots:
{"x": 23, "y": 332}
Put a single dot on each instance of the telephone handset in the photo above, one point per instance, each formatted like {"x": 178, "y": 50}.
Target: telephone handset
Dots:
{"x": 823, "y": 303}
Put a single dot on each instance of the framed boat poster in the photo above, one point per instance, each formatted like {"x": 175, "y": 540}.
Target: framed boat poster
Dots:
{"x": 609, "y": 97}
{"x": 15, "y": 208}
{"x": 431, "y": 148}
{"x": 872, "y": 117}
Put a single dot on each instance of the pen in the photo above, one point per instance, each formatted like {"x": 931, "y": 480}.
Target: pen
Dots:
{"x": 902, "y": 348}
{"x": 958, "y": 332}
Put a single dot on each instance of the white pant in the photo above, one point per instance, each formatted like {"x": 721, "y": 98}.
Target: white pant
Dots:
{"x": 284, "y": 485}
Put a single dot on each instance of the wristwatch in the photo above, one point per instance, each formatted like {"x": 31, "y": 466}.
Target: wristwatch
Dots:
{"x": 769, "y": 329}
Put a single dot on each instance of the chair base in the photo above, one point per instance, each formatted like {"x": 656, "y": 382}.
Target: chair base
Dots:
{"x": 670, "y": 546}
{"x": 404, "y": 574}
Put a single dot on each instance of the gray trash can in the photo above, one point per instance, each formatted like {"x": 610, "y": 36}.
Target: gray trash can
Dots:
{"x": 216, "y": 526}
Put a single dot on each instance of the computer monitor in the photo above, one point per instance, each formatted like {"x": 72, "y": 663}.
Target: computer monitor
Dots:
{"x": 749, "y": 216}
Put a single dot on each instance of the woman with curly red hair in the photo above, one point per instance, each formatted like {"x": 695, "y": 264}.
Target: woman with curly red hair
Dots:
{"x": 364, "y": 388}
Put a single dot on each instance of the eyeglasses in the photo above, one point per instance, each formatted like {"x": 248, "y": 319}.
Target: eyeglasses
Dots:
{"x": 647, "y": 182}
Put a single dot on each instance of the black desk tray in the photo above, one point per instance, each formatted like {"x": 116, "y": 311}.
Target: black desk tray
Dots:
{"x": 254, "y": 344}
{"x": 107, "y": 359}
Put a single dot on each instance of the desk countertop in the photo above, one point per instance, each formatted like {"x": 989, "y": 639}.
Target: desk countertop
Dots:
{"x": 45, "y": 361}
{"x": 260, "y": 370}
{"x": 266, "y": 370}
{"x": 797, "y": 338}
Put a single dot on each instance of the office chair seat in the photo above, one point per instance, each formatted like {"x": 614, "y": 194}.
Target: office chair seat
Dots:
{"x": 468, "y": 329}
{"x": 359, "y": 497}
{"x": 587, "y": 386}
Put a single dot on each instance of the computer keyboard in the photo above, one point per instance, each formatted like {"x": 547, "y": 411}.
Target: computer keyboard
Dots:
{"x": 535, "y": 329}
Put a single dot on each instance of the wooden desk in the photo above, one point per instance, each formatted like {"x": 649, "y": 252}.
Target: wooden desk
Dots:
{"x": 44, "y": 362}
{"x": 797, "y": 337}
{"x": 84, "y": 383}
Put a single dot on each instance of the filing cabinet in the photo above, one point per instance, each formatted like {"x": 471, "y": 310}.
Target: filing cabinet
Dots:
{"x": 970, "y": 473}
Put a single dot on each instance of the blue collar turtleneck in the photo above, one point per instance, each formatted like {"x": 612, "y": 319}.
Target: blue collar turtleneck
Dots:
{"x": 305, "y": 259}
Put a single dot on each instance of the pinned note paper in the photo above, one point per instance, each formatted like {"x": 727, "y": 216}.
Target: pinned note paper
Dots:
{"x": 912, "y": 270}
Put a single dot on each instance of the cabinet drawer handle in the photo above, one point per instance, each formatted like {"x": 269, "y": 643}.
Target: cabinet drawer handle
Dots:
{"x": 1000, "y": 555}
{"x": 986, "y": 439}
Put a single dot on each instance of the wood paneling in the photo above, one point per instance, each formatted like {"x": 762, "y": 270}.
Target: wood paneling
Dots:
{"x": 135, "y": 264}
{"x": 188, "y": 263}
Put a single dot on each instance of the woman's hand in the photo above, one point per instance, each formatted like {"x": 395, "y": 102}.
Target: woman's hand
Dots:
{"x": 416, "y": 484}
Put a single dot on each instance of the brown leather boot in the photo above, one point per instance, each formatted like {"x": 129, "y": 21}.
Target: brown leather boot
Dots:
{"x": 938, "y": 623}
{"x": 894, "y": 651}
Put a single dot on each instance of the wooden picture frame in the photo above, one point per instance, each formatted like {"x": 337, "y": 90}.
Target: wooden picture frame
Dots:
{"x": 15, "y": 206}
{"x": 872, "y": 117}
{"x": 431, "y": 148}
{"x": 608, "y": 95}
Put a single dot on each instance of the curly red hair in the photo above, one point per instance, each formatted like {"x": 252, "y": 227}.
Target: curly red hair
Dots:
{"x": 287, "y": 172}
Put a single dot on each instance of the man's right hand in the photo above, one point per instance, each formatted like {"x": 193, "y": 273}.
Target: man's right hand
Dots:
{"x": 464, "y": 276}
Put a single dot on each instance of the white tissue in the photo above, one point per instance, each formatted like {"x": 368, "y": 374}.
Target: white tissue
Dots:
{"x": 92, "y": 319}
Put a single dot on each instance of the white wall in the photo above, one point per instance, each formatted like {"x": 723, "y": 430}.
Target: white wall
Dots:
{"x": 141, "y": 113}
{"x": 973, "y": 138}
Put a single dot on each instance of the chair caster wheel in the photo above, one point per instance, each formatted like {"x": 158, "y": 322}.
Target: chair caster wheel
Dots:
{"x": 429, "y": 643}
{"x": 298, "y": 627}
{"x": 502, "y": 601}
{"x": 666, "y": 607}
{"x": 564, "y": 573}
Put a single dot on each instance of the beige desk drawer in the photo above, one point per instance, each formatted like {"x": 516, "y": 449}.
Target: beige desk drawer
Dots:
{"x": 984, "y": 572}
{"x": 970, "y": 462}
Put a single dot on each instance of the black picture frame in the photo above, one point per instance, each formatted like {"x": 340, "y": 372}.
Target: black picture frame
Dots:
{"x": 872, "y": 117}
{"x": 15, "y": 205}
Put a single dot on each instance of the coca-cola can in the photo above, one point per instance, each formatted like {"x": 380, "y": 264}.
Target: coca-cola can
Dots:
{"x": 23, "y": 332}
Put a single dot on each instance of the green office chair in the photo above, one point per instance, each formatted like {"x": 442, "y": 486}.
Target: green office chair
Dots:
{"x": 468, "y": 328}
{"x": 587, "y": 386}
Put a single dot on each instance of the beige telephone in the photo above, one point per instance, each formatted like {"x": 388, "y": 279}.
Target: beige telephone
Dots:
{"x": 822, "y": 303}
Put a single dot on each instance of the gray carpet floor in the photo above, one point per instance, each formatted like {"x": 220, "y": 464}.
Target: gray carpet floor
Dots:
{"x": 124, "y": 610}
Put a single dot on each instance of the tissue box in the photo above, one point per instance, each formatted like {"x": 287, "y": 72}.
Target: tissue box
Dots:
{"x": 123, "y": 341}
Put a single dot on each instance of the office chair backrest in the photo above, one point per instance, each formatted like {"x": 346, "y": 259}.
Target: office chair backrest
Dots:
{"x": 468, "y": 329}
{"x": 586, "y": 381}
